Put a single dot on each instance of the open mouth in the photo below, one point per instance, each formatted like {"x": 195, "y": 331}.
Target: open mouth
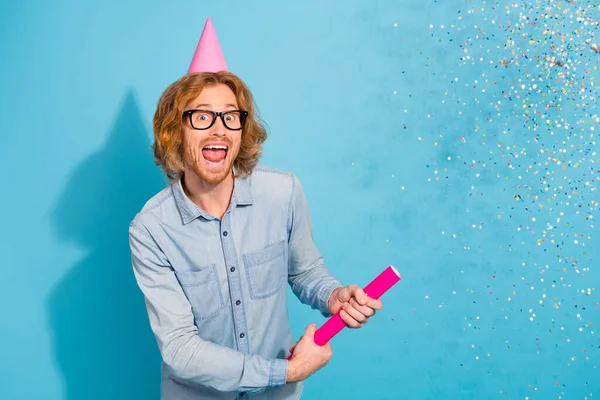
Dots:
{"x": 215, "y": 154}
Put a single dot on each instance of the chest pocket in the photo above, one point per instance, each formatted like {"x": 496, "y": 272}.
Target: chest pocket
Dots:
{"x": 203, "y": 291}
{"x": 266, "y": 270}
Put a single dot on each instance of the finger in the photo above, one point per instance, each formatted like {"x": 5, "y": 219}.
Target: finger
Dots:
{"x": 364, "y": 310}
{"x": 348, "y": 320}
{"x": 358, "y": 294}
{"x": 355, "y": 314}
{"x": 374, "y": 304}
{"x": 360, "y": 313}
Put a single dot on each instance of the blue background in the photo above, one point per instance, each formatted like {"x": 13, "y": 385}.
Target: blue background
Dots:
{"x": 421, "y": 142}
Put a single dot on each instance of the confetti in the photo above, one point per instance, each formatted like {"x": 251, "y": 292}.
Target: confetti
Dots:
{"x": 520, "y": 155}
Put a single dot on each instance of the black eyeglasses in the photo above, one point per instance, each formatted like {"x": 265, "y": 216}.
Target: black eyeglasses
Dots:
{"x": 204, "y": 119}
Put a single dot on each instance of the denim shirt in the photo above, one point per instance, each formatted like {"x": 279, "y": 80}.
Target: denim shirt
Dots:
{"x": 214, "y": 288}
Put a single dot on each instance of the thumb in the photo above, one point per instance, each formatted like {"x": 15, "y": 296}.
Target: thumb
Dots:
{"x": 344, "y": 295}
{"x": 360, "y": 296}
{"x": 310, "y": 330}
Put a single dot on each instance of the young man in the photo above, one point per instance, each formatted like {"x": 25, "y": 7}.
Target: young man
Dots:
{"x": 212, "y": 252}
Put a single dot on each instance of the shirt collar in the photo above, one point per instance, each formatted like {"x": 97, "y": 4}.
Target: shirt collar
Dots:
{"x": 242, "y": 192}
{"x": 189, "y": 211}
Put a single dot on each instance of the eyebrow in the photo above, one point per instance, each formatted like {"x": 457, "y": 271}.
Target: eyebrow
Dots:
{"x": 209, "y": 105}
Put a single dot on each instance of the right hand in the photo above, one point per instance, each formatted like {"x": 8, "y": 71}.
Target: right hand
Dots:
{"x": 308, "y": 357}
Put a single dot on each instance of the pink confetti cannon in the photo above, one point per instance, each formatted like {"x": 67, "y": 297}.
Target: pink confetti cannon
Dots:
{"x": 388, "y": 278}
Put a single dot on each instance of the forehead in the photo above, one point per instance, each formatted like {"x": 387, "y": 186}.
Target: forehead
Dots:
{"x": 216, "y": 95}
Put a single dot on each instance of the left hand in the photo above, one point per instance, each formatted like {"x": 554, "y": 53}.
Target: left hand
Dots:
{"x": 356, "y": 306}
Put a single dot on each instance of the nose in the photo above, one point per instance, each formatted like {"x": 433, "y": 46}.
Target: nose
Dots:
{"x": 218, "y": 128}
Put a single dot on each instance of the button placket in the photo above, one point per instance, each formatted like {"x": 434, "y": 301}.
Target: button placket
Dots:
{"x": 235, "y": 291}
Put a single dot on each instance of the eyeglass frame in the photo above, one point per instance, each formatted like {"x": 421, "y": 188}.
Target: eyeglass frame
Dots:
{"x": 215, "y": 114}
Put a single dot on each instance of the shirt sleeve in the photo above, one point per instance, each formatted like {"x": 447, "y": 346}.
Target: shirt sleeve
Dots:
{"x": 309, "y": 279}
{"x": 182, "y": 349}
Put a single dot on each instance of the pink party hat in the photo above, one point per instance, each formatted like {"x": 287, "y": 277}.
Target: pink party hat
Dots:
{"x": 208, "y": 56}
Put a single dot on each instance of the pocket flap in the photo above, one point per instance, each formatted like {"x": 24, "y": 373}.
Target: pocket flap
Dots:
{"x": 265, "y": 255}
{"x": 197, "y": 278}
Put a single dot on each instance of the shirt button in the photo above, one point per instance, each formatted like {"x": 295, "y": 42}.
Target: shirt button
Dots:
{"x": 237, "y": 303}
{"x": 242, "y": 335}
{"x": 225, "y": 233}
{"x": 232, "y": 269}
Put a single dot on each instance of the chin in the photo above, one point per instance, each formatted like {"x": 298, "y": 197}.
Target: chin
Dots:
{"x": 213, "y": 176}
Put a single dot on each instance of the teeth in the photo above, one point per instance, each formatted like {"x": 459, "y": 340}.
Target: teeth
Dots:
{"x": 215, "y": 147}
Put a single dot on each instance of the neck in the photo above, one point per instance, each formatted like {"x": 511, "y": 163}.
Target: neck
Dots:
{"x": 212, "y": 198}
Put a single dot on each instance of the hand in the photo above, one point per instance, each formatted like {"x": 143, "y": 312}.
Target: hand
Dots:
{"x": 307, "y": 356}
{"x": 356, "y": 306}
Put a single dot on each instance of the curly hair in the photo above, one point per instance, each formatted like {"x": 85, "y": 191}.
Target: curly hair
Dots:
{"x": 168, "y": 122}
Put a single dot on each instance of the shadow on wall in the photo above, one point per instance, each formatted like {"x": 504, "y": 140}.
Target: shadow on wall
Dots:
{"x": 101, "y": 337}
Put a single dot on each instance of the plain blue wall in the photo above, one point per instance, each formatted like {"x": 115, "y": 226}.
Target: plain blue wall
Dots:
{"x": 487, "y": 212}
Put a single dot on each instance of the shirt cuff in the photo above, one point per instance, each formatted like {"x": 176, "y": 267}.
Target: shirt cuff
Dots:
{"x": 278, "y": 372}
{"x": 324, "y": 294}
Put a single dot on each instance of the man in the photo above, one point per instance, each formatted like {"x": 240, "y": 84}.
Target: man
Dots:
{"x": 212, "y": 252}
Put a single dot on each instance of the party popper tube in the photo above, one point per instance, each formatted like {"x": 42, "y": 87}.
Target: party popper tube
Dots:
{"x": 381, "y": 284}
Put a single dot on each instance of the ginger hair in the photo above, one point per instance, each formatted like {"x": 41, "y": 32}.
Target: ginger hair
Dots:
{"x": 168, "y": 122}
